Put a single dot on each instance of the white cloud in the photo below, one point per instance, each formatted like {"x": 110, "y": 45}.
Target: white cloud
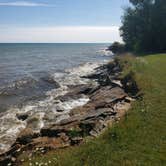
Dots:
{"x": 70, "y": 34}
{"x": 23, "y": 4}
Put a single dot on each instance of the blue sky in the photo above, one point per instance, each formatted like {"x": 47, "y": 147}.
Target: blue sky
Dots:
{"x": 35, "y": 20}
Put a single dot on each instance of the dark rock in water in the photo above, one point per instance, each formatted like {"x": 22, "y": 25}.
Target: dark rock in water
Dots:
{"x": 22, "y": 116}
{"x": 59, "y": 110}
{"x": 50, "y": 80}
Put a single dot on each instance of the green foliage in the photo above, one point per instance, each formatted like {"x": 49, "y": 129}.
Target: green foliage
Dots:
{"x": 143, "y": 26}
{"x": 117, "y": 48}
{"x": 137, "y": 140}
{"x": 74, "y": 133}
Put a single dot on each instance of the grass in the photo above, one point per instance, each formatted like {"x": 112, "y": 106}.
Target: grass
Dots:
{"x": 140, "y": 138}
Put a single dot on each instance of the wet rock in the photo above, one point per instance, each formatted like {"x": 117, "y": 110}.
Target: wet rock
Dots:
{"x": 50, "y": 80}
{"x": 59, "y": 110}
{"x": 22, "y": 116}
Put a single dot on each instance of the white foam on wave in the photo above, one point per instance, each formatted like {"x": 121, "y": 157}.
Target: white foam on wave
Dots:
{"x": 75, "y": 75}
{"x": 9, "y": 130}
{"x": 105, "y": 52}
{"x": 69, "y": 105}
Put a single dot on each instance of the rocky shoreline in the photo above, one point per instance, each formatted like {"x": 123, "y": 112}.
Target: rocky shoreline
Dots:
{"x": 108, "y": 101}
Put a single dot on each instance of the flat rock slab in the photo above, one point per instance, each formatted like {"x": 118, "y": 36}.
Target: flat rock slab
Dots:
{"x": 108, "y": 94}
{"x": 78, "y": 91}
{"x": 68, "y": 124}
{"x": 104, "y": 97}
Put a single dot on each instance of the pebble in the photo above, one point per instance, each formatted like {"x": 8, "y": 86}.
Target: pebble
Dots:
{"x": 13, "y": 159}
{"x": 36, "y": 163}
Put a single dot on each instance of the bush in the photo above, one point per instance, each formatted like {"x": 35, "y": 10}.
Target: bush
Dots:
{"x": 117, "y": 48}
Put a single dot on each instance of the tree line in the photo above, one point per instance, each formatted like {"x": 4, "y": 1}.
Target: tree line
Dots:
{"x": 143, "y": 27}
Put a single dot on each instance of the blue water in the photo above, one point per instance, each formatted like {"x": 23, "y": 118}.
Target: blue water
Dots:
{"x": 22, "y": 64}
{"x": 32, "y": 60}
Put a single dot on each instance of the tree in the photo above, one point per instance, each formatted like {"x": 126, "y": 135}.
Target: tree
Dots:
{"x": 117, "y": 48}
{"x": 144, "y": 26}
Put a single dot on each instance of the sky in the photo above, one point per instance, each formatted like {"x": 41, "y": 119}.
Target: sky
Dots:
{"x": 64, "y": 21}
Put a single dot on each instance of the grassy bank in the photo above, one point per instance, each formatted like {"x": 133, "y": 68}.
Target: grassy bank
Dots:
{"x": 140, "y": 138}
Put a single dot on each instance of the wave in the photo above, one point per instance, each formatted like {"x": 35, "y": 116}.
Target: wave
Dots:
{"x": 105, "y": 52}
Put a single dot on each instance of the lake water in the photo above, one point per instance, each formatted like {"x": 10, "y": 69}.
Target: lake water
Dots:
{"x": 25, "y": 67}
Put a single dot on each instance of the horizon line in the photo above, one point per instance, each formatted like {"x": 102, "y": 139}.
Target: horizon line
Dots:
{"x": 55, "y": 42}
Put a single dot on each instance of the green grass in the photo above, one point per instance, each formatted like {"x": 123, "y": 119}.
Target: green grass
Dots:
{"x": 140, "y": 138}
